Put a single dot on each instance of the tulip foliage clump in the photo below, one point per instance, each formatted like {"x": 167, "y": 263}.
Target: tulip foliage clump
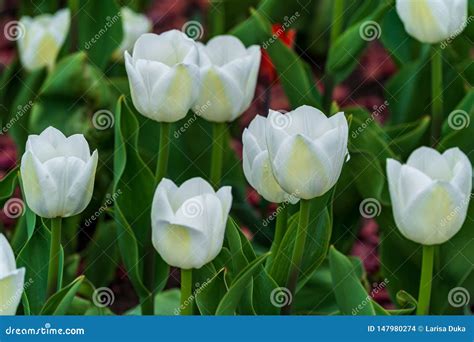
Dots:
{"x": 273, "y": 160}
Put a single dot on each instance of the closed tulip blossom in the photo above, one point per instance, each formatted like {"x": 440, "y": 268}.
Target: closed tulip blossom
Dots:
{"x": 257, "y": 166}
{"x": 306, "y": 150}
{"x": 134, "y": 25}
{"x": 432, "y": 21}
{"x": 11, "y": 279}
{"x": 188, "y": 222}
{"x": 58, "y": 173}
{"x": 163, "y": 75}
{"x": 430, "y": 194}
{"x": 41, "y": 38}
{"x": 229, "y": 73}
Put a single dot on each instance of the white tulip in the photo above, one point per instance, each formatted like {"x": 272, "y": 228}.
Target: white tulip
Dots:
{"x": 432, "y": 21}
{"x": 134, "y": 25}
{"x": 306, "y": 150}
{"x": 163, "y": 75}
{"x": 430, "y": 194}
{"x": 41, "y": 38}
{"x": 228, "y": 78}
{"x": 188, "y": 222}
{"x": 11, "y": 279}
{"x": 257, "y": 166}
{"x": 58, "y": 173}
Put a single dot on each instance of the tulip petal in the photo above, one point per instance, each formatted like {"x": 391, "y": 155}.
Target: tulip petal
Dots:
{"x": 59, "y": 25}
{"x": 224, "y": 49}
{"x": 162, "y": 206}
{"x": 431, "y": 163}
{"x": 255, "y": 56}
{"x": 225, "y": 196}
{"x": 191, "y": 188}
{"x": 411, "y": 183}
{"x": 461, "y": 168}
{"x": 138, "y": 91}
{"x": 7, "y": 258}
{"x": 11, "y": 288}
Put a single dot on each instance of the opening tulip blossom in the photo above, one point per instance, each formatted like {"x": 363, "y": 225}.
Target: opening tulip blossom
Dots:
{"x": 163, "y": 75}
{"x": 430, "y": 195}
{"x": 188, "y": 225}
{"x": 42, "y": 39}
{"x": 11, "y": 279}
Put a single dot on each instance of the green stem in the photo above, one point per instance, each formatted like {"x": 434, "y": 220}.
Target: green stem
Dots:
{"x": 425, "y": 281}
{"x": 280, "y": 229}
{"x": 218, "y": 135}
{"x": 436, "y": 94}
{"x": 54, "y": 252}
{"x": 298, "y": 250}
{"x": 186, "y": 292}
{"x": 148, "y": 304}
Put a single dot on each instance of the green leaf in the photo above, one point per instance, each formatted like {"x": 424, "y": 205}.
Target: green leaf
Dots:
{"x": 100, "y": 34}
{"x": 210, "y": 293}
{"x": 407, "y": 137}
{"x": 351, "y": 296}
{"x": 58, "y": 304}
{"x": 8, "y": 185}
{"x": 133, "y": 213}
{"x": 229, "y": 303}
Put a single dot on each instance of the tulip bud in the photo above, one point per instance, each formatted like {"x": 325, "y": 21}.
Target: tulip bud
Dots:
{"x": 228, "y": 78}
{"x": 189, "y": 222}
{"x": 257, "y": 166}
{"x": 42, "y": 38}
{"x": 134, "y": 25}
{"x": 430, "y": 194}
{"x": 163, "y": 75}
{"x": 306, "y": 150}
{"x": 58, "y": 173}
{"x": 11, "y": 279}
{"x": 432, "y": 21}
